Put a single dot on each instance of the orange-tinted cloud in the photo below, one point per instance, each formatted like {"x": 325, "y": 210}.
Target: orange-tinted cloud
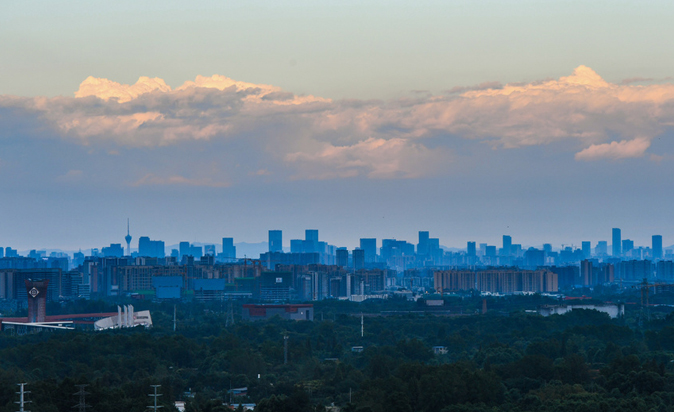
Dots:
{"x": 320, "y": 138}
{"x": 615, "y": 150}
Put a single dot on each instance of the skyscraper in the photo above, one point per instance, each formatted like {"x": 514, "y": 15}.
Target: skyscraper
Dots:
{"x": 311, "y": 243}
{"x": 275, "y": 241}
{"x": 422, "y": 247}
{"x": 311, "y": 235}
{"x": 602, "y": 248}
{"x": 470, "y": 249}
{"x": 184, "y": 249}
{"x": 617, "y": 242}
{"x": 507, "y": 245}
{"x": 369, "y": 245}
{"x": 151, "y": 248}
{"x": 228, "y": 248}
{"x": 587, "y": 249}
{"x": 627, "y": 246}
{"x": 342, "y": 257}
{"x": 657, "y": 247}
{"x": 144, "y": 248}
{"x": 358, "y": 256}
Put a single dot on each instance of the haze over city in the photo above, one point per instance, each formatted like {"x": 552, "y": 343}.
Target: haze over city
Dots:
{"x": 336, "y": 206}
{"x": 369, "y": 120}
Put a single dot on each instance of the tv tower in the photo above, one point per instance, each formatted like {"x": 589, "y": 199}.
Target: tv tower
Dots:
{"x": 128, "y": 238}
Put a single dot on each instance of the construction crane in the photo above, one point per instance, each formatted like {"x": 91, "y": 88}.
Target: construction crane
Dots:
{"x": 256, "y": 263}
{"x": 645, "y": 287}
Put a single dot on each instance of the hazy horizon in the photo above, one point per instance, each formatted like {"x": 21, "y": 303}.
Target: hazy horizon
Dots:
{"x": 470, "y": 120}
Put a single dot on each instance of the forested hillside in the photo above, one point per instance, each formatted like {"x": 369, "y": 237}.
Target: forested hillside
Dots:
{"x": 582, "y": 361}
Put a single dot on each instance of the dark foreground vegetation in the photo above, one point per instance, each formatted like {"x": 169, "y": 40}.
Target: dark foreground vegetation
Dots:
{"x": 582, "y": 361}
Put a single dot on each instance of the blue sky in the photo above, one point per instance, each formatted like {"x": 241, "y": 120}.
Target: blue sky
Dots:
{"x": 340, "y": 49}
{"x": 548, "y": 121}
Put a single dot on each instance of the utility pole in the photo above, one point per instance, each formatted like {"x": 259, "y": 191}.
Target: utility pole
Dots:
{"x": 362, "y": 325}
{"x": 174, "y": 318}
{"x": 155, "y": 395}
{"x": 22, "y": 397}
{"x": 82, "y": 404}
{"x": 285, "y": 349}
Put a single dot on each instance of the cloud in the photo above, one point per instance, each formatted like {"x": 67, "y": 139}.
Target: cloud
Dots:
{"x": 153, "y": 180}
{"x": 71, "y": 176}
{"x": 106, "y": 89}
{"x": 376, "y": 158}
{"x": 636, "y": 80}
{"x": 615, "y": 150}
{"x": 481, "y": 86}
{"x": 263, "y": 127}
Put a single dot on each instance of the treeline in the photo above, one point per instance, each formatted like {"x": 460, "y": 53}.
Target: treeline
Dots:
{"x": 516, "y": 362}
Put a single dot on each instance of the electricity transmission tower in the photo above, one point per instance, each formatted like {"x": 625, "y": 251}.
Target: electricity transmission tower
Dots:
{"x": 285, "y": 349}
{"x": 155, "y": 395}
{"x": 81, "y": 394}
{"x": 230, "y": 315}
{"x": 22, "y": 397}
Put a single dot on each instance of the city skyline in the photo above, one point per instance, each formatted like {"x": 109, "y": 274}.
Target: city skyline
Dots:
{"x": 350, "y": 205}
{"x": 275, "y": 243}
{"x": 380, "y": 133}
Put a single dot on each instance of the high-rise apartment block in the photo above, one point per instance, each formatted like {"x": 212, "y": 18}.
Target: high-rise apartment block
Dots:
{"x": 342, "y": 257}
{"x": 496, "y": 280}
{"x": 358, "y": 257}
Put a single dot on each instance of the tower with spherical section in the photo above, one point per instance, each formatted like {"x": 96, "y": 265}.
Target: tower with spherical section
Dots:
{"x": 128, "y": 239}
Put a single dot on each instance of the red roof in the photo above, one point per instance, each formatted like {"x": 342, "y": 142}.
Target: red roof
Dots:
{"x": 261, "y": 310}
